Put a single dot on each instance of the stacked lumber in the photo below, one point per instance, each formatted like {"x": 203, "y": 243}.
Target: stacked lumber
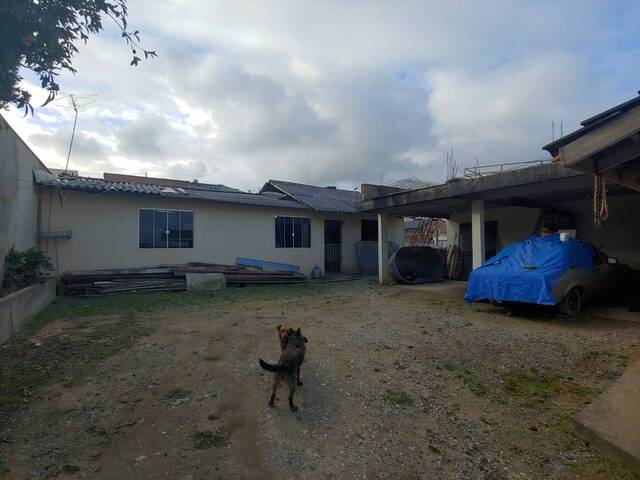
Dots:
{"x": 96, "y": 282}
{"x": 454, "y": 261}
{"x": 167, "y": 278}
{"x": 236, "y": 274}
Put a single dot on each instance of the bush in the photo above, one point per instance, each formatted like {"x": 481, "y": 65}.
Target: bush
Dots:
{"x": 25, "y": 268}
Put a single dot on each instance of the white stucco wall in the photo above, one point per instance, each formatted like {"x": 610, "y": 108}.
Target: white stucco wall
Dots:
{"x": 105, "y": 233}
{"x": 18, "y": 197}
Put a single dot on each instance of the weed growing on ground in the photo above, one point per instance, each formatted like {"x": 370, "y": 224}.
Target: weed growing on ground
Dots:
{"x": 530, "y": 385}
{"x": 399, "y": 398}
{"x": 621, "y": 359}
{"x": 208, "y": 439}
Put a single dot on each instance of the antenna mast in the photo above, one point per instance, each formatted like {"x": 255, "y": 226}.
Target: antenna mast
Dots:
{"x": 75, "y": 102}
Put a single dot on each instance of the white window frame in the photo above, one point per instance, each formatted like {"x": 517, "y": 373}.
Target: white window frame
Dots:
{"x": 167, "y": 210}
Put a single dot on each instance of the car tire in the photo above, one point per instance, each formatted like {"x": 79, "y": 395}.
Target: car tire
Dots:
{"x": 571, "y": 304}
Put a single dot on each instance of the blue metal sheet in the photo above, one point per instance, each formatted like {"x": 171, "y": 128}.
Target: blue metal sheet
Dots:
{"x": 266, "y": 265}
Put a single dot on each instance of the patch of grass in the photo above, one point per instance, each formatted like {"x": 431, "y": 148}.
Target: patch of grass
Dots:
{"x": 530, "y": 385}
{"x": 622, "y": 359}
{"x": 3, "y": 469}
{"x": 132, "y": 304}
{"x": 591, "y": 463}
{"x": 208, "y": 439}
{"x": 68, "y": 359}
{"x": 399, "y": 398}
{"x": 472, "y": 382}
{"x": 213, "y": 358}
{"x": 178, "y": 394}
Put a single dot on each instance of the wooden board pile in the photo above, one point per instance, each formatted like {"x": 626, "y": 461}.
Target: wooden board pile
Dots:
{"x": 166, "y": 278}
{"x": 454, "y": 261}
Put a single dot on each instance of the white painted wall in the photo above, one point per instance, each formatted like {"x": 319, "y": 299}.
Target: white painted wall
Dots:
{"x": 105, "y": 233}
{"x": 18, "y": 197}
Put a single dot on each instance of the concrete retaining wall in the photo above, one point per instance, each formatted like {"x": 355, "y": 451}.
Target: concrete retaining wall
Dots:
{"x": 19, "y": 307}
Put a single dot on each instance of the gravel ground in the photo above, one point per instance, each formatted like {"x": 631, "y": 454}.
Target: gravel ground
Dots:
{"x": 398, "y": 384}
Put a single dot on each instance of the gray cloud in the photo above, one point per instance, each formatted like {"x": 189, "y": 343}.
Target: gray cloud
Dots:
{"x": 341, "y": 93}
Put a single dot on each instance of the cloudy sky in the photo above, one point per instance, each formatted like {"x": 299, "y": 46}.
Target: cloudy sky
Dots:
{"x": 338, "y": 92}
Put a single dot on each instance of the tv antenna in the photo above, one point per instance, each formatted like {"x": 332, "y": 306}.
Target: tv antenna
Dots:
{"x": 74, "y": 101}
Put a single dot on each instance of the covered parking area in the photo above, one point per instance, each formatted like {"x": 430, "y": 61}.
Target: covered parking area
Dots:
{"x": 492, "y": 211}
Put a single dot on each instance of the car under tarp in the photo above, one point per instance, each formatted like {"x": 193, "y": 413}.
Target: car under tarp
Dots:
{"x": 528, "y": 271}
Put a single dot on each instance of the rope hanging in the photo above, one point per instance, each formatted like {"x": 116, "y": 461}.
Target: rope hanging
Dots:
{"x": 600, "y": 205}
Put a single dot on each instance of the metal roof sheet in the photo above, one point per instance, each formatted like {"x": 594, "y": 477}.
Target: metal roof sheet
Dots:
{"x": 98, "y": 185}
{"x": 322, "y": 199}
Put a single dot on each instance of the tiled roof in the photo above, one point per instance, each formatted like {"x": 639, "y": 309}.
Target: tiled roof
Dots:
{"x": 98, "y": 185}
{"x": 322, "y": 199}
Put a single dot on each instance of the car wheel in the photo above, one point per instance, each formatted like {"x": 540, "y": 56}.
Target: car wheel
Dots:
{"x": 571, "y": 304}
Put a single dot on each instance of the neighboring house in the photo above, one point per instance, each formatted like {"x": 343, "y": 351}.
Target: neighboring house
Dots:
{"x": 439, "y": 237}
{"x": 130, "y": 221}
{"x": 18, "y": 196}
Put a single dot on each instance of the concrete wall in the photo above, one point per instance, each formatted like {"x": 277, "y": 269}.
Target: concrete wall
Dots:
{"x": 105, "y": 233}
{"x": 514, "y": 224}
{"x": 18, "y": 197}
{"x": 21, "y": 306}
{"x": 619, "y": 236}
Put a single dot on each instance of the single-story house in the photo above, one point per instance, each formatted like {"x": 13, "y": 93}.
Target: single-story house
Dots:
{"x": 131, "y": 221}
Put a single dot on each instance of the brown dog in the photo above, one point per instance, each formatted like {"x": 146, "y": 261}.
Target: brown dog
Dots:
{"x": 288, "y": 367}
{"x": 283, "y": 332}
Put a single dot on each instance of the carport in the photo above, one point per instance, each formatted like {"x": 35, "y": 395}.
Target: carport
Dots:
{"x": 515, "y": 199}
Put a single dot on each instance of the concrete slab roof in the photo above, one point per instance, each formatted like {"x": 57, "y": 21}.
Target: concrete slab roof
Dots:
{"x": 540, "y": 186}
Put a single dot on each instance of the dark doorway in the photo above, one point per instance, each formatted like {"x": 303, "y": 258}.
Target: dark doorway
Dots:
{"x": 332, "y": 246}
{"x": 490, "y": 245}
{"x": 369, "y": 230}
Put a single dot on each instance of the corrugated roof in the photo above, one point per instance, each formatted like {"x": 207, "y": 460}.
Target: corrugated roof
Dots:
{"x": 322, "y": 199}
{"x": 98, "y": 185}
{"x": 592, "y": 123}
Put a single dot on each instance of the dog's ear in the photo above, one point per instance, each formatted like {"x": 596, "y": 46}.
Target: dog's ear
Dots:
{"x": 278, "y": 327}
{"x": 298, "y": 333}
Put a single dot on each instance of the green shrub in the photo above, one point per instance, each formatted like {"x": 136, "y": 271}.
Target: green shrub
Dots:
{"x": 25, "y": 268}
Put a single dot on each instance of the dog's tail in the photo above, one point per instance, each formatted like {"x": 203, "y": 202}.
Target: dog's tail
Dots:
{"x": 278, "y": 367}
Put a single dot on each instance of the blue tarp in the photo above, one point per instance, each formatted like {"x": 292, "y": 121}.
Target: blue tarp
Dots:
{"x": 528, "y": 271}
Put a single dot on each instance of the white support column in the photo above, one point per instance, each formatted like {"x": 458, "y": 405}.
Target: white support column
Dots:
{"x": 477, "y": 232}
{"x": 383, "y": 249}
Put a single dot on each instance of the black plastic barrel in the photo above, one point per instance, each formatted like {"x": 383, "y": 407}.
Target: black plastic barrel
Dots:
{"x": 416, "y": 265}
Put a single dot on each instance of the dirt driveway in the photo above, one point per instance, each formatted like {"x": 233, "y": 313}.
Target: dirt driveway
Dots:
{"x": 399, "y": 384}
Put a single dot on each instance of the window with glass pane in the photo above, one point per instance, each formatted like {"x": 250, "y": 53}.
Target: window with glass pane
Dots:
{"x": 186, "y": 229}
{"x": 165, "y": 229}
{"x": 293, "y": 232}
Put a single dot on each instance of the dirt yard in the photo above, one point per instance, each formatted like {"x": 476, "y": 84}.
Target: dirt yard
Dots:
{"x": 398, "y": 384}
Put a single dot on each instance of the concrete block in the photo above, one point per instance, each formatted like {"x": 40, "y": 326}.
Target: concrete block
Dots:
{"x": 19, "y": 307}
{"x": 205, "y": 282}
{"x": 611, "y": 423}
